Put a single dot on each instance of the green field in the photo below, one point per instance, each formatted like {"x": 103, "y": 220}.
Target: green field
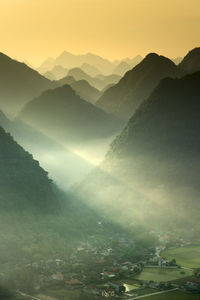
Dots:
{"x": 162, "y": 274}
{"x": 188, "y": 257}
{"x": 175, "y": 296}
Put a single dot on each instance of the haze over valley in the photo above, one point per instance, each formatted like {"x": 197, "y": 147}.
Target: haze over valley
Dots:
{"x": 99, "y": 150}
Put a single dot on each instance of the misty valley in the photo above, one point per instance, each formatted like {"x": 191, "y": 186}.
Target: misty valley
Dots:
{"x": 99, "y": 178}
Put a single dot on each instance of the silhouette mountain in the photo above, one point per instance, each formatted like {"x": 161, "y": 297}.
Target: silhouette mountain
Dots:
{"x": 24, "y": 184}
{"x": 136, "y": 85}
{"x": 19, "y": 84}
{"x": 191, "y": 62}
{"x": 63, "y": 115}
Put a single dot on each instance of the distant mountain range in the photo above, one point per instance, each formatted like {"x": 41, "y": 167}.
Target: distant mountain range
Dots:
{"x": 63, "y": 115}
{"x": 124, "y": 98}
{"x": 89, "y": 63}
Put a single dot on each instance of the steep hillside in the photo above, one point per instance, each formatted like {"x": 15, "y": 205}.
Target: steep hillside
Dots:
{"x": 23, "y": 183}
{"x": 19, "y": 84}
{"x": 125, "y": 97}
{"x": 152, "y": 165}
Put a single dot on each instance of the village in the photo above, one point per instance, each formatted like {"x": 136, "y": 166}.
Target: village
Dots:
{"x": 92, "y": 272}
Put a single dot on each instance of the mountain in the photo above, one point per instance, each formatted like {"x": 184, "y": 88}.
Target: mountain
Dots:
{"x": 108, "y": 79}
{"x": 63, "y": 165}
{"x": 133, "y": 61}
{"x": 86, "y": 91}
{"x": 24, "y": 184}
{"x": 49, "y": 75}
{"x": 152, "y": 165}
{"x": 90, "y": 70}
{"x": 121, "y": 68}
{"x": 99, "y": 82}
{"x": 69, "y": 61}
{"x": 136, "y": 85}
{"x": 191, "y": 62}
{"x": 64, "y": 116}
{"x": 59, "y": 72}
{"x": 66, "y": 80}
{"x": 19, "y": 84}
{"x": 177, "y": 60}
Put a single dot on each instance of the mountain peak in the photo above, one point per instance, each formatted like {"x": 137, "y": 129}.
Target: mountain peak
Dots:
{"x": 191, "y": 62}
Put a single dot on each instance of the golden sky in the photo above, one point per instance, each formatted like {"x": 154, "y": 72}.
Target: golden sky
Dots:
{"x": 36, "y": 29}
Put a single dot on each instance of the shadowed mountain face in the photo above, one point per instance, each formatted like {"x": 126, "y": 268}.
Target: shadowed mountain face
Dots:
{"x": 24, "y": 184}
{"x": 191, "y": 62}
{"x": 63, "y": 115}
{"x": 125, "y": 97}
{"x": 18, "y": 84}
{"x": 152, "y": 164}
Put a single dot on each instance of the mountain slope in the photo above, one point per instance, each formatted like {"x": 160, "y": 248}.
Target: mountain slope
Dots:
{"x": 63, "y": 115}
{"x": 137, "y": 84}
{"x": 18, "y": 84}
{"x": 24, "y": 184}
{"x": 191, "y": 62}
{"x": 153, "y": 164}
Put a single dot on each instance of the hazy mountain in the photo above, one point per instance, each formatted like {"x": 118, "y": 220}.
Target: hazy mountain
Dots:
{"x": 136, "y": 85}
{"x": 90, "y": 70}
{"x": 66, "y": 80}
{"x": 122, "y": 68}
{"x": 49, "y": 75}
{"x": 177, "y": 60}
{"x": 59, "y": 72}
{"x": 133, "y": 61}
{"x": 18, "y": 84}
{"x": 63, "y": 115}
{"x": 63, "y": 166}
{"x": 99, "y": 82}
{"x": 24, "y": 184}
{"x": 108, "y": 79}
{"x": 69, "y": 61}
{"x": 152, "y": 165}
{"x": 86, "y": 91}
{"x": 191, "y": 62}
{"x": 107, "y": 87}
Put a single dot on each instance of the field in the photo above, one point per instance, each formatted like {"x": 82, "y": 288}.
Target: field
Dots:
{"x": 188, "y": 257}
{"x": 162, "y": 274}
{"x": 175, "y": 296}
